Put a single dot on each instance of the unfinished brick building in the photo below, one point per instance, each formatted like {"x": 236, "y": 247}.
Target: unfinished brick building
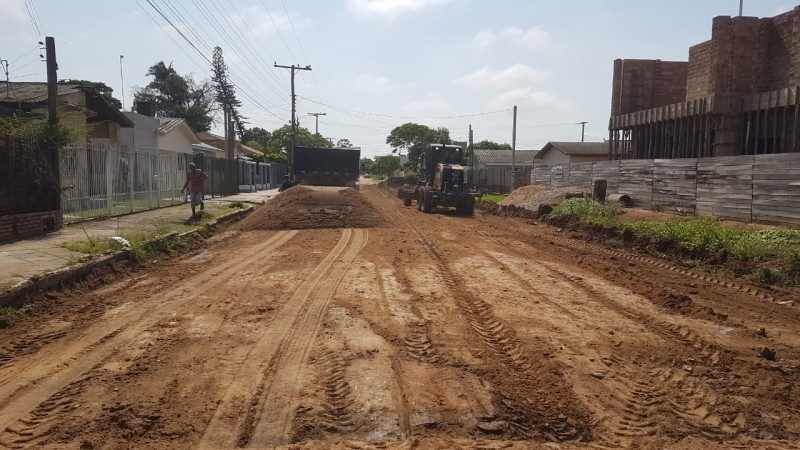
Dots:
{"x": 737, "y": 95}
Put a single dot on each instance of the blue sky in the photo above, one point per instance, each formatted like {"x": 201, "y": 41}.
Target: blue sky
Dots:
{"x": 379, "y": 63}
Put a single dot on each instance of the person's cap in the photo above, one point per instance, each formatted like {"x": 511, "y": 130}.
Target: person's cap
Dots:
{"x": 191, "y": 165}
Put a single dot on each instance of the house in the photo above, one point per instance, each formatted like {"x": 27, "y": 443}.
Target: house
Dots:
{"x": 142, "y": 138}
{"x": 207, "y": 151}
{"x": 175, "y": 137}
{"x": 501, "y": 159}
{"x": 572, "y": 152}
{"x": 80, "y": 103}
{"x": 219, "y": 142}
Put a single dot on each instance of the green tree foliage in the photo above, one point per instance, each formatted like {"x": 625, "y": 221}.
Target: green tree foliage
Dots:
{"x": 490, "y": 145}
{"x": 256, "y": 134}
{"x": 344, "y": 143}
{"x": 281, "y": 138}
{"x": 385, "y": 165}
{"x": 225, "y": 91}
{"x": 414, "y": 137}
{"x": 99, "y": 87}
{"x": 365, "y": 165}
{"x": 178, "y": 96}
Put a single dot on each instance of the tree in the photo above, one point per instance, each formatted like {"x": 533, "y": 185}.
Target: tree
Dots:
{"x": 366, "y": 165}
{"x": 414, "y": 137}
{"x": 177, "y": 96}
{"x": 281, "y": 138}
{"x": 256, "y": 134}
{"x": 344, "y": 143}
{"x": 225, "y": 91}
{"x": 490, "y": 145}
{"x": 385, "y": 165}
{"x": 101, "y": 88}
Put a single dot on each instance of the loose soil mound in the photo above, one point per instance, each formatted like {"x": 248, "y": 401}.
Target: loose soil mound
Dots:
{"x": 314, "y": 207}
{"x": 530, "y": 197}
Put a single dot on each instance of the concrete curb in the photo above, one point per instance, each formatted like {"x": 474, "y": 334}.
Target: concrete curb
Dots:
{"x": 53, "y": 279}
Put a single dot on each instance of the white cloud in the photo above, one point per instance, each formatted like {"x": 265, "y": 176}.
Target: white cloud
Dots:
{"x": 391, "y": 9}
{"x": 484, "y": 39}
{"x": 527, "y": 98}
{"x": 535, "y": 37}
{"x": 373, "y": 84}
{"x": 433, "y": 103}
{"x": 518, "y": 75}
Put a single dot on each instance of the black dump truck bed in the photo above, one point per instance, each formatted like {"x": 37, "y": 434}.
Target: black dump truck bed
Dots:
{"x": 326, "y": 166}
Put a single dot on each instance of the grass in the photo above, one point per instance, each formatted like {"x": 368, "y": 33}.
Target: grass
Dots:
{"x": 702, "y": 235}
{"x": 493, "y": 198}
{"x": 235, "y": 205}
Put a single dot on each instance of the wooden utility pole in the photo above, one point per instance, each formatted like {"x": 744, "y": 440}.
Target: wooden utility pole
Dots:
{"x": 52, "y": 111}
{"x": 292, "y": 69}
{"x": 514, "y": 150}
{"x": 583, "y": 129}
{"x": 316, "y": 120}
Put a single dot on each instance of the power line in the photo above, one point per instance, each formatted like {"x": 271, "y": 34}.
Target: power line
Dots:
{"x": 28, "y": 75}
{"x": 24, "y": 54}
{"x": 29, "y": 12}
{"x": 460, "y": 116}
{"x": 185, "y": 38}
{"x": 300, "y": 44}
{"x": 274, "y": 24}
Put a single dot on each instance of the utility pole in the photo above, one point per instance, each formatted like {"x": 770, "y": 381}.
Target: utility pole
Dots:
{"x": 741, "y": 7}
{"x": 583, "y": 129}
{"x": 4, "y": 63}
{"x": 122, "y": 81}
{"x": 514, "y": 150}
{"x": 293, "y": 68}
{"x": 52, "y": 111}
{"x": 316, "y": 120}
{"x": 471, "y": 157}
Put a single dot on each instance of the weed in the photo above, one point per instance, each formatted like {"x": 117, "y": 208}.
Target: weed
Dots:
{"x": 591, "y": 211}
{"x": 235, "y": 205}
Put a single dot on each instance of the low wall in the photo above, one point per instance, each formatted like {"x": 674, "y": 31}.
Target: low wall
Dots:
{"x": 761, "y": 188}
{"x": 22, "y": 225}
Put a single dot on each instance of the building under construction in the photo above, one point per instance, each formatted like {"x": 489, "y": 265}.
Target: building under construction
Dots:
{"x": 737, "y": 95}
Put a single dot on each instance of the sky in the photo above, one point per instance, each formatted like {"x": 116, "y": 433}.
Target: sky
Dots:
{"x": 377, "y": 64}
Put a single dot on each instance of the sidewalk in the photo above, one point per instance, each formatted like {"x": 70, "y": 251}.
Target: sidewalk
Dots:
{"x": 24, "y": 259}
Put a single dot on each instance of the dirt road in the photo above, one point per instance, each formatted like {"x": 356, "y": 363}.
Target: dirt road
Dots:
{"x": 434, "y": 331}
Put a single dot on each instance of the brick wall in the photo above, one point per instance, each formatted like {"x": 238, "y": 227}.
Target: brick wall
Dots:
{"x": 745, "y": 55}
{"x": 647, "y": 83}
{"x": 698, "y": 78}
{"x": 18, "y": 226}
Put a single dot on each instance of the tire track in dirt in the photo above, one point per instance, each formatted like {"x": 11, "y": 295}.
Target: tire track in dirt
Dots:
{"x": 251, "y": 410}
{"x": 531, "y": 411}
{"x": 337, "y": 415}
{"x": 27, "y": 387}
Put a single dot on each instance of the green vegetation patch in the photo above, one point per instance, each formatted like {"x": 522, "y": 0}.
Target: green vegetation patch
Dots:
{"x": 772, "y": 255}
{"x": 493, "y": 198}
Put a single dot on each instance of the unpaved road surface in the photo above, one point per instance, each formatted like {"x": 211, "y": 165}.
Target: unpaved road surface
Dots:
{"x": 436, "y": 331}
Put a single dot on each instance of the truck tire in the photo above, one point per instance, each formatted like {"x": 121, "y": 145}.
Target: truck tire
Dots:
{"x": 420, "y": 196}
{"x": 469, "y": 207}
{"x": 406, "y": 201}
{"x": 427, "y": 202}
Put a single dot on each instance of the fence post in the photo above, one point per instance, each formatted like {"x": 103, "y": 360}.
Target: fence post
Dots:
{"x": 131, "y": 157}
{"x": 109, "y": 182}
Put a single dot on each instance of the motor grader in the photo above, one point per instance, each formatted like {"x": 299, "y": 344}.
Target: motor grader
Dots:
{"x": 443, "y": 181}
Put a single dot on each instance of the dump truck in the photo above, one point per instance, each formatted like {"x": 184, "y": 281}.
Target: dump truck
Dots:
{"x": 443, "y": 181}
{"x": 326, "y": 166}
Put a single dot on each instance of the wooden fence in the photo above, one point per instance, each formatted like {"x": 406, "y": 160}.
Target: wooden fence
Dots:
{"x": 761, "y": 188}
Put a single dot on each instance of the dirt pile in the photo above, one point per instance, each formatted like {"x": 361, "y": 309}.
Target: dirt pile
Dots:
{"x": 530, "y": 197}
{"x": 314, "y": 207}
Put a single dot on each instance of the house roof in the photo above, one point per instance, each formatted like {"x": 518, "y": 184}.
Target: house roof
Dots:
{"x": 35, "y": 94}
{"x": 219, "y": 143}
{"x": 206, "y": 147}
{"x": 576, "y": 148}
{"x": 168, "y": 123}
{"x": 503, "y": 157}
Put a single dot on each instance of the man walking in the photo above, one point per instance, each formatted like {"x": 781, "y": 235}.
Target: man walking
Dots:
{"x": 195, "y": 178}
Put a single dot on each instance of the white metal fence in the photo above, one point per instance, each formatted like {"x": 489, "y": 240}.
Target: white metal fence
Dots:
{"x": 101, "y": 181}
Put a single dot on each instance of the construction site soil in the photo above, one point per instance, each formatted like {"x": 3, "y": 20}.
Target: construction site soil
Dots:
{"x": 301, "y": 207}
{"x": 431, "y": 331}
